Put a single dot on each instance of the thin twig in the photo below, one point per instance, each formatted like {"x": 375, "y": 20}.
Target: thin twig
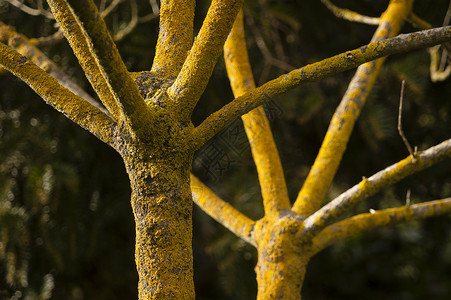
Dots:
{"x": 154, "y": 5}
{"x": 366, "y": 188}
{"x": 349, "y": 14}
{"x": 131, "y": 25}
{"x": 30, "y": 10}
{"x": 445, "y": 54}
{"x": 401, "y": 132}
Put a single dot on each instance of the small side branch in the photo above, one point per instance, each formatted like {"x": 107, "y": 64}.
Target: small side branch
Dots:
{"x": 256, "y": 125}
{"x": 369, "y": 221}
{"x": 349, "y": 14}
{"x": 367, "y": 187}
{"x": 71, "y": 105}
{"x": 329, "y": 66}
{"x": 31, "y": 11}
{"x": 400, "y": 131}
{"x": 221, "y": 211}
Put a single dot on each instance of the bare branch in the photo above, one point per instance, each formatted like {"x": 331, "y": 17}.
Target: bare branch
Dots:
{"x": 400, "y": 131}
{"x": 329, "y": 66}
{"x": 110, "y": 8}
{"x": 48, "y": 40}
{"x": 369, "y": 221}
{"x": 326, "y": 164}
{"x": 31, "y": 11}
{"x": 154, "y": 5}
{"x": 131, "y": 25}
{"x": 221, "y": 211}
{"x": 71, "y": 105}
{"x": 367, "y": 187}
{"x": 349, "y": 14}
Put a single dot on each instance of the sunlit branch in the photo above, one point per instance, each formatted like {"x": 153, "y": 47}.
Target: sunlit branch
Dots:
{"x": 71, "y": 105}
{"x": 221, "y": 211}
{"x": 82, "y": 17}
{"x": 379, "y": 218}
{"x": 367, "y": 187}
{"x": 23, "y": 45}
{"x": 78, "y": 43}
{"x": 329, "y": 66}
{"x": 342, "y": 123}
{"x": 349, "y": 14}
{"x": 208, "y": 45}
{"x": 175, "y": 37}
{"x": 256, "y": 125}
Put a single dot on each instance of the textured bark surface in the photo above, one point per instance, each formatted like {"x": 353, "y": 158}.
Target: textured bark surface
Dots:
{"x": 162, "y": 206}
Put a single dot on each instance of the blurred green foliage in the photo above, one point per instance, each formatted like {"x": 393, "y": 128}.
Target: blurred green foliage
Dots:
{"x": 66, "y": 227}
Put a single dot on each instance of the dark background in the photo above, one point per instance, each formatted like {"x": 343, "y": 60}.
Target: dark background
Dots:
{"x": 66, "y": 226}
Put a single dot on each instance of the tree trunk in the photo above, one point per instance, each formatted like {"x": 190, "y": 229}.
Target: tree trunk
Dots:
{"x": 162, "y": 205}
{"x": 282, "y": 260}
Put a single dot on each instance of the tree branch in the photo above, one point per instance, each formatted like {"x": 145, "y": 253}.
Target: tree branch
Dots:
{"x": 175, "y": 37}
{"x": 92, "y": 44}
{"x": 369, "y": 221}
{"x": 23, "y": 45}
{"x": 71, "y": 105}
{"x": 329, "y": 66}
{"x": 341, "y": 126}
{"x": 221, "y": 211}
{"x": 349, "y": 14}
{"x": 367, "y": 187}
{"x": 208, "y": 45}
{"x": 256, "y": 125}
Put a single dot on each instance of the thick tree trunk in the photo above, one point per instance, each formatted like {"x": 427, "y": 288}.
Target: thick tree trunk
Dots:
{"x": 282, "y": 260}
{"x": 162, "y": 205}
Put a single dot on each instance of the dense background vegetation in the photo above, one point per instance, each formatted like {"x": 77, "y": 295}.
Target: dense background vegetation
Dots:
{"x": 66, "y": 226}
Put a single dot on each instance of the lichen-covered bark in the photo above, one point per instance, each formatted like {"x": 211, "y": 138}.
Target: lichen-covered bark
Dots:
{"x": 175, "y": 37}
{"x": 162, "y": 206}
{"x": 341, "y": 126}
{"x": 151, "y": 129}
{"x": 256, "y": 125}
{"x": 327, "y": 67}
{"x": 282, "y": 258}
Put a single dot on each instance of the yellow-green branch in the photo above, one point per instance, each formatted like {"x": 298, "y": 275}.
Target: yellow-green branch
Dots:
{"x": 208, "y": 45}
{"x": 221, "y": 211}
{"x": 84, "y": 28}
{"x": 74, "y": 107}
{"x": 24, "y": 46}
{"x": 369, "y": 221}
{"x": 367, "y": 187}
{"x": 256, "y": 125}
{"x": 175, "y": 37}
{"x": 341, "y": 126}
{"x": 74, "y": 35}
{"x": 333, "y": 65}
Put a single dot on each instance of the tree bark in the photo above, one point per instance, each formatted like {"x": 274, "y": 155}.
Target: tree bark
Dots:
{"x": 282, "y": 259}
{"x": 162, "y": 206}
